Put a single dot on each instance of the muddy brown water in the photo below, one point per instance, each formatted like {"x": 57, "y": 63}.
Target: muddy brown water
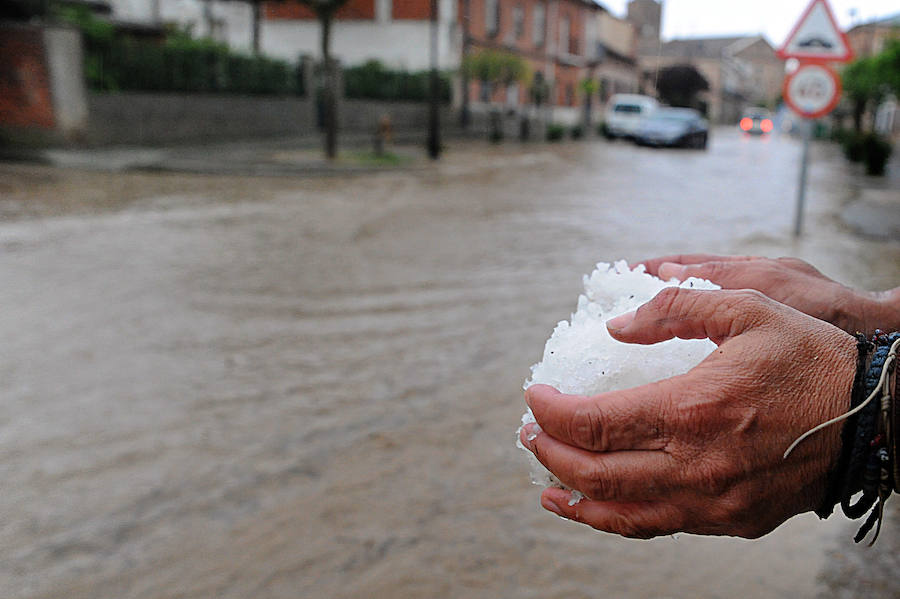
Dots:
{"x": 273, "y": 387}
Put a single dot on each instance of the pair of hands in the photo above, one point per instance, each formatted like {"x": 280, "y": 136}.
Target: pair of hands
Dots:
{"x": 702, "y": 452}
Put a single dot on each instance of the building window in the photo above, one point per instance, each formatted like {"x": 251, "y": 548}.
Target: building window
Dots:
{"x": 518, "y": 21}
{"x": 539, "y": 24}
{"x": 564, "y": 26}
{"x": 492, "y": 17}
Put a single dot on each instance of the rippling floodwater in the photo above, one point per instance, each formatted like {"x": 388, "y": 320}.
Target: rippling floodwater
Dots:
{"x": 227, "y": 387}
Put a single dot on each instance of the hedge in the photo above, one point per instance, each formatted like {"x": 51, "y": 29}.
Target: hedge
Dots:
{"x": 374, "y": 81}
{"x": 179, "y": 64}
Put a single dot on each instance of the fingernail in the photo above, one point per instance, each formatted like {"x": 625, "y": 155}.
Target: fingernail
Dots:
{"x": 551, "y": 506}
{"x": 531, "y": 432}
{"x": 670, "y": 270}
{"x": 620, "y": 322}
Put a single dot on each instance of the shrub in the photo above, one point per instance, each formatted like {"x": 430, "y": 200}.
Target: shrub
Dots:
{"x": 576, "y": 131}
{"x": 876, "y": 151}
{"x": 852, "y": 144}
{"x": 601, "y": 128}
{"x": 555, "y": 132}
{"x": 869, "y": 148}
{"x": 372, "y": 80}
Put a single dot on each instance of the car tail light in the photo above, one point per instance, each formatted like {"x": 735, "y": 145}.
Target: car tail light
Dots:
{"x": 766, "y": 125}
{"x": 746, "y": 123}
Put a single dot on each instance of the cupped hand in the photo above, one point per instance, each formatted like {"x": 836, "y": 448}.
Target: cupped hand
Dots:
{"x": 702, "y": 452}
{"x": 788, "y": 280}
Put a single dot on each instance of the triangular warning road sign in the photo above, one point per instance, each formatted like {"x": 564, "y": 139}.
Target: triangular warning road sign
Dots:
{"x": 816, "y": 37}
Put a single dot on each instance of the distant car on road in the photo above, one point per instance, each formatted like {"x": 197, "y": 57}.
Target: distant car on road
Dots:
{"x": 625, "y": 112}
{"x": 674, "y": 127}
{"x": 757, "y": 122}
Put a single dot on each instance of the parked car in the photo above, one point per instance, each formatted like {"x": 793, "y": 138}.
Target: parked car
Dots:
{"x": 757, "y": 122}
{"x": 625, "y": 112}
{"x": 674, "y": 127}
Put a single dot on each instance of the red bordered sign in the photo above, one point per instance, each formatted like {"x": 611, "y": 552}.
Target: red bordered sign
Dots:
{"x": 813, "y": 90}
{"x": 816, "y": 37}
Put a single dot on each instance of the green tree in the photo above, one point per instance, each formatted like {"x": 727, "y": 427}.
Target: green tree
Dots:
{"x": 863, "y": 86}
{"x": 679, "y": 85}
{"x": 494, "y": 67}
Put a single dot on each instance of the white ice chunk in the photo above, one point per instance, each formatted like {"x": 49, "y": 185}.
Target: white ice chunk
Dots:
{"x": 582, "y": 358}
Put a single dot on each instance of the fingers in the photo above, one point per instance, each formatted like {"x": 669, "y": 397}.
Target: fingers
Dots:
{"x": 653, "y": 264}
{"x": 616, "y": 475}
{"x": 638, "y": 520}
{"x": 692, "y": 314}
{"x": 727, "y": 274}
{"x": 627, "y": 419}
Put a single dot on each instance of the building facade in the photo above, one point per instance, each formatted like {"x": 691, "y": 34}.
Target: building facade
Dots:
{"x": 615, "y": 61}
{"x": 564, "y": 42}
{"x": 646, "y": 16}
{"x": 222, "y": 20}
{"x": 870, "y": 38}
{"x": 395, "y": 32}
{"x": 741, "y": 71}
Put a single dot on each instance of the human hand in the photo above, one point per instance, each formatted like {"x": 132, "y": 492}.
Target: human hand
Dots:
{"x": 702, "y": 452}
{"x": 790, "y": 281}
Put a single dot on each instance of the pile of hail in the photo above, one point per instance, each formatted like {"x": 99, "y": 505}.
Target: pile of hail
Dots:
{"x": 582, "y": 358}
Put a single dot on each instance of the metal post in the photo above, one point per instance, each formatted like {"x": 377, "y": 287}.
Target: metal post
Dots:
{"x": 801, "y": 185}
{"x": 465, "y": 116}
{"x": 434, "y": 136}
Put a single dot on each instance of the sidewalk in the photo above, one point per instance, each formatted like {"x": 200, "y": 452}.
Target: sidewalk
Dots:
{"x": 267, "y": 157}
{"x": 875, "y": 211}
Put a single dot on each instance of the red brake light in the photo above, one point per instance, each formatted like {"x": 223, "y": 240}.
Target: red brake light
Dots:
{"x": 746, "y": 123}
{"x": 766, "y": 125}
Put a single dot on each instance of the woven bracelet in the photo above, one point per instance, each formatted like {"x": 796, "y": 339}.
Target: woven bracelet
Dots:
{"x": 868, "y": 462}
{"x": 872, "y": 462}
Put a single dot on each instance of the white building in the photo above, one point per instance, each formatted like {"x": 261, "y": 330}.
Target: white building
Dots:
{"x": 396, "y": 32}
{"x": 228, "y": 21}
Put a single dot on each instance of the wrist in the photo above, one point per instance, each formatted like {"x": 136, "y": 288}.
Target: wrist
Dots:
{"x": 884, "y": 311}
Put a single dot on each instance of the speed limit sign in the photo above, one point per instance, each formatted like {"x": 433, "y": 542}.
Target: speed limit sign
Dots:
{"x": 813, "y": 90}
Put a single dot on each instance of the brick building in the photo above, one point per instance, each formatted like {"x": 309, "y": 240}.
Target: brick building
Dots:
{"x": 870, "y": 38}
{"x": 557, "y": 38}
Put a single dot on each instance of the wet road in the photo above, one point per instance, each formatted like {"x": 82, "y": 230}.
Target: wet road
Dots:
{"x": 238, "y": 387}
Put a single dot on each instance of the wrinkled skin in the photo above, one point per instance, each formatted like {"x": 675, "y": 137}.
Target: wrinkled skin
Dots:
{"x": 790, "y": 281}
{"x": 702, "y": 452}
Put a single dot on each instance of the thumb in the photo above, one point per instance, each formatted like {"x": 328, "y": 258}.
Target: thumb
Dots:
{"x": 693, "y": 314}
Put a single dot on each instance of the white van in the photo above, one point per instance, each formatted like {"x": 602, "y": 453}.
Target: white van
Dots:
{"x": 625, "y": 112}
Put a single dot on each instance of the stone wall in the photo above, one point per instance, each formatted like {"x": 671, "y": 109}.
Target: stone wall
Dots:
{"x": 169, "y": 118}
{"x": 137, "y": 118}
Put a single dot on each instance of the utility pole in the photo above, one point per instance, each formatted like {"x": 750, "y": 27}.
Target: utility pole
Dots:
{"x": 434, "y": 127}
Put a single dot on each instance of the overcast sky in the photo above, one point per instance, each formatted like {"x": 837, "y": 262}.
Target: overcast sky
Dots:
{"x": 774, "y": 18}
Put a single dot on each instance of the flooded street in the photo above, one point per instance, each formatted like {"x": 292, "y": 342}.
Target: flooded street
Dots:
{"x": 273, "y": 387}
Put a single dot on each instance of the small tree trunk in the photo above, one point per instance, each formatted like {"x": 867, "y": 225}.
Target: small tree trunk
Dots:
{"x": 465, "y": 116}
{"x": 328, "y": 92}
{"x": 257, "y": 9}
{"x": 434, "y": 99}
{"x": 859, "y": 109}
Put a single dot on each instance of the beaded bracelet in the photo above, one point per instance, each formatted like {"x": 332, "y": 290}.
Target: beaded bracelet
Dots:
{"x": 870, "y": 456}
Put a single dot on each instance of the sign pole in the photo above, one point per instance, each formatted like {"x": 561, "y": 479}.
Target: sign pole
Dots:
{"x": 801, "y": 185}
{"x": 813, "y": 89}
